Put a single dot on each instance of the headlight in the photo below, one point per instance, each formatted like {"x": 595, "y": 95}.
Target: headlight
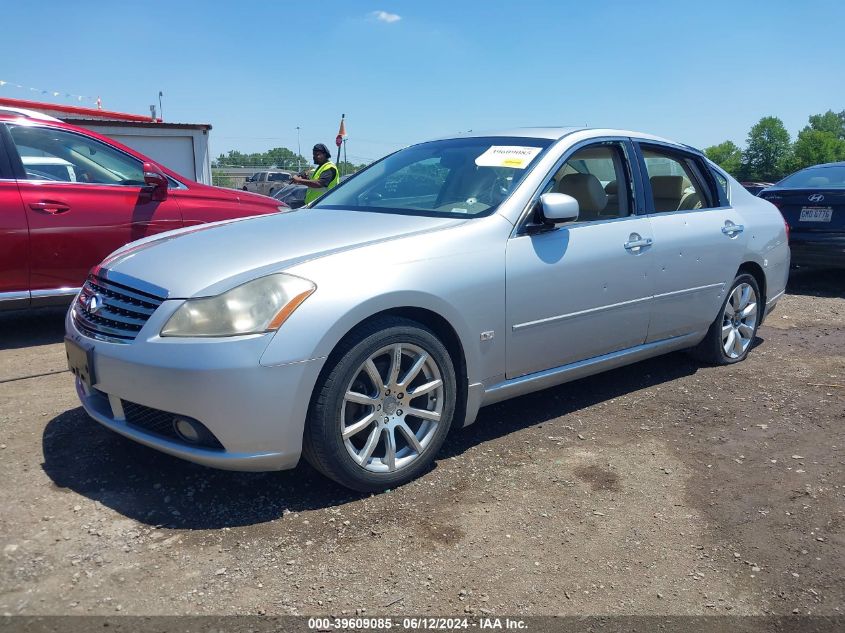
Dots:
{"x": 257, "y": 306}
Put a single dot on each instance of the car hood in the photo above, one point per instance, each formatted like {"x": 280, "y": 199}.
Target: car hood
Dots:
{"x": 209, "y": 259}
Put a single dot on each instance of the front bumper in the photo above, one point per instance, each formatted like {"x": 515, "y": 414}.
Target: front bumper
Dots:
{"x": 256, "y": 412}
{"x": 817, "y": 249}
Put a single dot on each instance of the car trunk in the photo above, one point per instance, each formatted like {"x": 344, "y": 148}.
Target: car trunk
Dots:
{"x": 810, "y": 209}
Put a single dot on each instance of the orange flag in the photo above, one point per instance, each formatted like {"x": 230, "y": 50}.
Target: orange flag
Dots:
{"x": 342, "y": 130}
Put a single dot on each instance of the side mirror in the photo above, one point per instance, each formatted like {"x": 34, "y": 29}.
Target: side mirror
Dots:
{"x": 156, "y": 181}
{"x": 557, "y": 208}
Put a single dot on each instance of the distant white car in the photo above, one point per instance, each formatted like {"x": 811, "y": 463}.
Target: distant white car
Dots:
{"x": 447, "y": 276}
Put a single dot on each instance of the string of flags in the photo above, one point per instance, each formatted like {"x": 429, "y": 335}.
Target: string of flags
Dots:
{"x": 54, "y": 93}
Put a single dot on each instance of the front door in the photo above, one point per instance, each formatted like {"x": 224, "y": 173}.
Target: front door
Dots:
{"x": 583, "y": 289}
{"x": 14, "y": 240}
{"x": 77, "y": 216}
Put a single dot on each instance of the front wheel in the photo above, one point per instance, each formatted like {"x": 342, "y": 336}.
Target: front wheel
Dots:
{"x": 731, "y": 335}
{"x": 382, "y": 411}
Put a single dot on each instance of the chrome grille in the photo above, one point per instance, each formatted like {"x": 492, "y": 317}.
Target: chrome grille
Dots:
{"x": 110, "y": 311}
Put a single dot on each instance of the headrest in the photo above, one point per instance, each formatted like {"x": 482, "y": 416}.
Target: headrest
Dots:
{"x": 667, "y": 186}
{"x": 586, "y": 189}
{"x": 611, "y": 188}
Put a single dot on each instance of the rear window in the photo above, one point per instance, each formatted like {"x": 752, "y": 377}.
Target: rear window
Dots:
{"x": 816, "y": 177}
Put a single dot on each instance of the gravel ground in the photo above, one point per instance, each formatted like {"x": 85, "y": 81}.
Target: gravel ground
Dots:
{"x": 663, "y": 487}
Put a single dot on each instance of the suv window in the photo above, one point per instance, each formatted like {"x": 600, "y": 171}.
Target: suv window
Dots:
{"x": 279, "y": 177}
{"x": 675, "y": 184}
{"x": 596, "y": 177}
{"x": 91, "y": 161}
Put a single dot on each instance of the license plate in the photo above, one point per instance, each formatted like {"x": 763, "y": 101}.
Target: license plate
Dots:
{"x": 80, "y": 361}
{"x": 816, "y": 214}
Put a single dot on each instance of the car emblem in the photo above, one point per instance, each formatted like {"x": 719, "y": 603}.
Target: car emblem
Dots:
{"x": 816, "y": 197}
{"x": 95, "y": 303}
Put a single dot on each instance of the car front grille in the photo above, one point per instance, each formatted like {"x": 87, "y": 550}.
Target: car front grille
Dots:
{"x": 113, "y": 312}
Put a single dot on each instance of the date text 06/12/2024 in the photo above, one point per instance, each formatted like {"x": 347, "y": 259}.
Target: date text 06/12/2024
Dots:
{"x": 410, "y": 623}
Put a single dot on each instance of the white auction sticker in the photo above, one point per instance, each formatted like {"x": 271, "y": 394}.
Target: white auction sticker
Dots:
{"x": 508, "y": 156}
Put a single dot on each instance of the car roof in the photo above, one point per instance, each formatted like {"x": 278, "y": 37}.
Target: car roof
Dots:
{"x": 556, "y": 133}
{"x": 837, "y": 164}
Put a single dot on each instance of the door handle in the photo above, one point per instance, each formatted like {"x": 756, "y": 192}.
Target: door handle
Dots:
{"x": 48, "y": 206}
{"x": 637, "y": 242}
{"x": 731, "y": 229}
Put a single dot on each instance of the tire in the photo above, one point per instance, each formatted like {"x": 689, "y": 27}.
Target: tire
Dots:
{"x": 245, "y": 189}
{"x": 731, "y": 336}
{"x": 359, "y": 384}
{"x": 272, "y": 191}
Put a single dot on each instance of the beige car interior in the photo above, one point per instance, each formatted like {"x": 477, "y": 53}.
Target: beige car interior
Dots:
{"x": 595, "y": 201}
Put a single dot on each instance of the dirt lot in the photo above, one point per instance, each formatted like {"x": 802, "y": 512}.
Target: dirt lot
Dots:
{"x": 663, "y": 487}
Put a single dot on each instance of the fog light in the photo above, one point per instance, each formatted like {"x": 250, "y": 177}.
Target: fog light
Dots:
{"x": 187, "y": 430}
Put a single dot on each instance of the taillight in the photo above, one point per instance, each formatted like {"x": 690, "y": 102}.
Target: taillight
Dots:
{"x": 786, "y": 226}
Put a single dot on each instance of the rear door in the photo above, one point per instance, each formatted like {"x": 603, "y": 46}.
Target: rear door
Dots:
{"x": 699, "y": 240}
{"x": 14, "y": 236}
{"x": 74, "y": 225}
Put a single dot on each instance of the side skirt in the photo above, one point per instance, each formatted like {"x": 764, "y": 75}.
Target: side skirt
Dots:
{"x": 573, "y": 371}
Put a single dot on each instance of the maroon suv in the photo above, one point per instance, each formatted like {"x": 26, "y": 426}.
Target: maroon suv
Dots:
{"x": 69, "y": 197}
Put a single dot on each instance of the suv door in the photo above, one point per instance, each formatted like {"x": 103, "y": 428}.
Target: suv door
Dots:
{"x": 14, "y": 237}
{"x": 74, "y": 225}
{"x": 698, "y": 240}
{"x": 581, "y": 289}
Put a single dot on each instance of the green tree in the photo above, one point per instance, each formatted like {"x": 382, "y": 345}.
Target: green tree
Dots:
{"x": 768, "y": 152}
{"x": 221, "y": 180}
{"x": 813, "y": 147}
{"x": 279, "y": 157}
{"x": 726, "y": 155}
{"x": 829, "y": 122}
{"x": 349, "y": 168}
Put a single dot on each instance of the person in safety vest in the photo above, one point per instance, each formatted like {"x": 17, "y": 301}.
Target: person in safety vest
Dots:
{"x": 324, "y": 178}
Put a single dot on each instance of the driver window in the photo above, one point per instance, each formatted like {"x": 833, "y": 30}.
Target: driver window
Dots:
{"x": 417, "y": 184}
{"x": 596, "y": 177}
{"x": 56, "y": 155}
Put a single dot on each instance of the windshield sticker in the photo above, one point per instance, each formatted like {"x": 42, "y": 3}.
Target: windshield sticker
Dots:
{"x": 508, "y": 156}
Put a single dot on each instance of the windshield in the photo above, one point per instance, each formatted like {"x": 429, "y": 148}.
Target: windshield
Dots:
{"x": 451, "y": 178}
{"x": 818, "y": 177}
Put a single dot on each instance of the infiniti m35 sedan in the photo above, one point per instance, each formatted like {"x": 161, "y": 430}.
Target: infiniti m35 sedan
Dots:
{"x": 447, "y": 276}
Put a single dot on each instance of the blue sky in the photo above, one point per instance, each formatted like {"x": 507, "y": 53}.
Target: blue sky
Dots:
{"x": 405, "y": 71}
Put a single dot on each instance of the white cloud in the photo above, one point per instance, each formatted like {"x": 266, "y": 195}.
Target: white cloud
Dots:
{"x": 384, "y": 16}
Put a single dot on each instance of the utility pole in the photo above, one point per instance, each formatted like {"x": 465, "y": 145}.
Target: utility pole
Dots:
{"x": 298, "y": 150}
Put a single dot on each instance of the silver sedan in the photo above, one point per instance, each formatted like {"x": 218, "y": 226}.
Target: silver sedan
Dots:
{"x": 445, "y": 277}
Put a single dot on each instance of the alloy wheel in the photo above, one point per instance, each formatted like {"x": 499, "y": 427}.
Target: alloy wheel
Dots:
{"x": 392, "y": 407}
{"x": 739, "y": 320}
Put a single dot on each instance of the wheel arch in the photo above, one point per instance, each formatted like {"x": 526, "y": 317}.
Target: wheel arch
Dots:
{"x": 440, "y": 326}
{"x": 755, "y": 270}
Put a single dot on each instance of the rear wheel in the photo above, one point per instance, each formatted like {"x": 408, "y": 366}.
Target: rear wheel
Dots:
{"x": 382, "y": 411}
{"x": 731, "y": 335}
